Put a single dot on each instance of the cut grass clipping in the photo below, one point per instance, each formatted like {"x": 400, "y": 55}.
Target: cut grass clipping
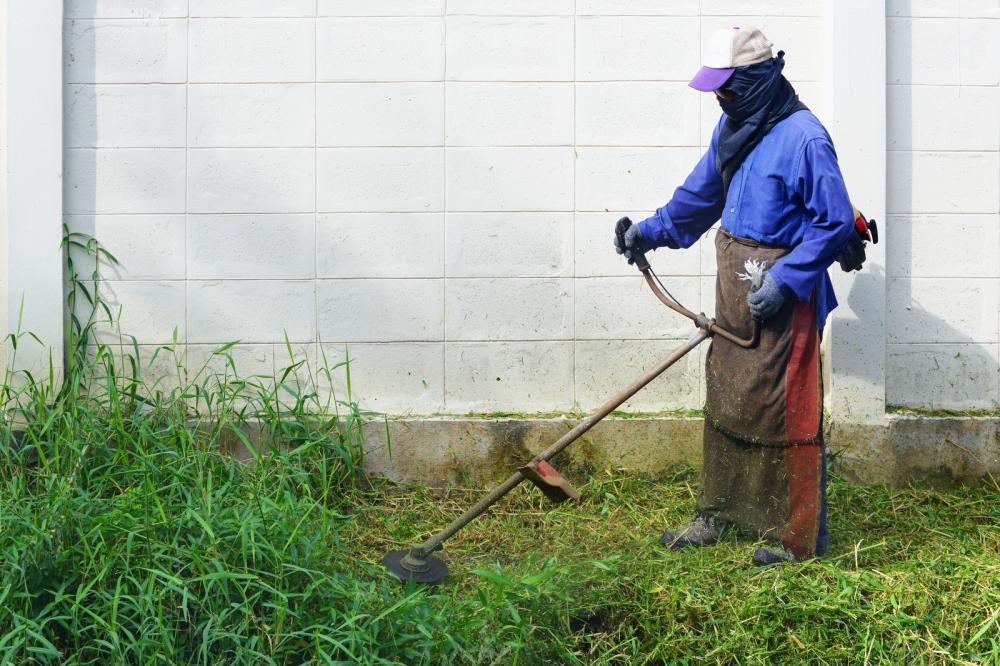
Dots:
{"x": 129, "y": 534}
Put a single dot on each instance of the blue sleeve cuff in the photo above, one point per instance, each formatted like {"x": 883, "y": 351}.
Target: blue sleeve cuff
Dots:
{"x": 658, "y": 232}
{"x": 802, "y": 294}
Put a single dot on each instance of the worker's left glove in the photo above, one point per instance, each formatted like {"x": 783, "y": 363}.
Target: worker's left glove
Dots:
{"x": 635, "y": 243}
{"x": 768, "y": 299}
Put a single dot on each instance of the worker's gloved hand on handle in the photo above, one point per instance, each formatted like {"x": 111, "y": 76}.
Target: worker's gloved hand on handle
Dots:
{"x": 765, "y": 301}
{"x": 633, "y": 243}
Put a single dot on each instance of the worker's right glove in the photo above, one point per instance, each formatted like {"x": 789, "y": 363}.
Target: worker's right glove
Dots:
{"x": 768, "y": 299}
{"x": 634, "y": 243}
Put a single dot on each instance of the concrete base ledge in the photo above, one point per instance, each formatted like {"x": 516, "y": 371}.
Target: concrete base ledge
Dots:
{"x": 942, "y": 451}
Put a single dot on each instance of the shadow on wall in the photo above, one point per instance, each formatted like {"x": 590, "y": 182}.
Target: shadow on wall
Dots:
{"x": 931, "y": 362}
{"x": 81, "y": 167}
{"x": 110, "y": 185}
{"x": 79, "y": 192}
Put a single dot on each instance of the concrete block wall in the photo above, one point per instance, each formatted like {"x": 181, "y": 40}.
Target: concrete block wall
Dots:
{"x": 431, "y": 183}
{"x": 3, "y": 180}
{"x": 943, "y": 202}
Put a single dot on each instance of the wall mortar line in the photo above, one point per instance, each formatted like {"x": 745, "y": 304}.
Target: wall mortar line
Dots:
{"x": 444, "y": 214}
{"x": 576, "y": 359}
{"x": 187, "y": 177}
{"x": 318, "y": 339}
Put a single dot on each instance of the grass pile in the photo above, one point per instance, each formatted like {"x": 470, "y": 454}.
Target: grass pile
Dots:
{"x": 913, "y": 576}
{"x": 130, "y": 534}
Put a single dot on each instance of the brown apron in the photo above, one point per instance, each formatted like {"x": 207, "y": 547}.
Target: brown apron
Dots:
{"x": 763, "y": 412}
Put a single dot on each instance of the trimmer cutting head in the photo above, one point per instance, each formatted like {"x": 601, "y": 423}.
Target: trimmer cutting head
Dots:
{"x": 406, "y": 566}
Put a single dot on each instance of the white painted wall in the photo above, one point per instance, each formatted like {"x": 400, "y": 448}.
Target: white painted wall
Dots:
{"x": 434, "y": 184}
{"x": 854, "y": 340}
{"x": 944, "y": 203}
{"x": 3, "y": 178}
{"x": 32, "y": 259}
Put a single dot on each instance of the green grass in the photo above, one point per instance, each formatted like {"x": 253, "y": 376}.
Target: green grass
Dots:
{"x": 914, "y": 575}
{"x": 130, "y": 534}
{"x": 168, "y": 551}
{"x": 936, "y": 413}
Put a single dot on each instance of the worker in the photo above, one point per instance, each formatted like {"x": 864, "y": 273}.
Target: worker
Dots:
{"x": 771, "y": 174}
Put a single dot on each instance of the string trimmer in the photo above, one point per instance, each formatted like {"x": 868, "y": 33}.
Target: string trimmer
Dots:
{"x": 418, "y": 562}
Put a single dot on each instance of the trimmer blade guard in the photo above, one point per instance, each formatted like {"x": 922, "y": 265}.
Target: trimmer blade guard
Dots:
{"x": 424, "y": 570}
{"x": 550, "y": 481}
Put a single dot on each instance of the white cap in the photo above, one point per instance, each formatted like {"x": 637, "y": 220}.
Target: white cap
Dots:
{"x": 736, "y": 47}
{"x": 727, "y": 49}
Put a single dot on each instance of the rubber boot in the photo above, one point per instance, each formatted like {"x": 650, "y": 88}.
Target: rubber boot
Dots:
{"x": 702, "y": 531}
{"x": 765, "y": 557}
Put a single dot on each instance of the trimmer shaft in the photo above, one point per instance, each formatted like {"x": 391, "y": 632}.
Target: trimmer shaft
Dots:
{"x": 417, "y": 563}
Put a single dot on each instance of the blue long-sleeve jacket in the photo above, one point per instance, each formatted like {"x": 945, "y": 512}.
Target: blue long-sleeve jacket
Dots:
{"x": 788, "y": 192}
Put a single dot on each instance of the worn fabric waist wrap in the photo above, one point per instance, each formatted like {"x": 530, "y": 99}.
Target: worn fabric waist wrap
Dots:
{"x": 770, "y": 395}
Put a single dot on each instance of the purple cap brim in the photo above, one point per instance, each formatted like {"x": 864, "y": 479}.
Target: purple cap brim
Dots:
{"x": 710, "y": 78}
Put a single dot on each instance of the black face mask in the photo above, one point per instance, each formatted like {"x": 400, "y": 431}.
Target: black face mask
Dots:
{"x": 725, "y": 95}
{"x": 765, "y": 98}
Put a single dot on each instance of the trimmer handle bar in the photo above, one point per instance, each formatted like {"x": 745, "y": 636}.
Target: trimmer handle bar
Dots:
{"x": 638, "y": 258}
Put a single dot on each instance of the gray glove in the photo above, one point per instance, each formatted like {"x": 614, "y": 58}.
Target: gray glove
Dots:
{"x": 634, "y": 242}
{"x": 767, "y": 300}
